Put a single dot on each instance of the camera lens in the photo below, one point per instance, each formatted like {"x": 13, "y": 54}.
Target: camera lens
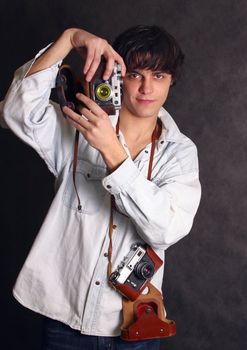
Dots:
{"x": 144, "y": 270}
{"x": 103, "y": 92}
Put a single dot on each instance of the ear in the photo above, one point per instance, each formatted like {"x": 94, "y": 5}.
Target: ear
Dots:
{"x": 173, "y": 82}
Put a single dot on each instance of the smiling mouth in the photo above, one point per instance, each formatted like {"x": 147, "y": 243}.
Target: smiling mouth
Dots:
{"x": 145, "y": 101}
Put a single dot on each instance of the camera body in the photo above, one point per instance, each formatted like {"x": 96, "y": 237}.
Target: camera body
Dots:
{"x": 135, "y": 271}
{"x": 106, "y": 93}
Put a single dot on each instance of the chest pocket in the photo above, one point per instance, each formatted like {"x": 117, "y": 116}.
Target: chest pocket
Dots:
{"x": 88, "y": 183}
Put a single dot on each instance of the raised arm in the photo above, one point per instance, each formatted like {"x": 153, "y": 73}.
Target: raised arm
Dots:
{"x": 27, "y": 109}
{"x": 79, "y": 39}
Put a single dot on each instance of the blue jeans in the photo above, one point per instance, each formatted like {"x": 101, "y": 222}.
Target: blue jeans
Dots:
{"x": 58, "y": 336}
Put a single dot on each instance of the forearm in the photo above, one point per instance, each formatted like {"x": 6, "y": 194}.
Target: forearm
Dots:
{"x": 56, "y": 52}
{"x": 78, "y": 38}
{"x": 162, "y": 214}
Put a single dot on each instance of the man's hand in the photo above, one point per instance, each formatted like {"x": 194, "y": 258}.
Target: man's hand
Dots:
{"x": 95, "y": 48}
{"x": 80, "y": 40}
{"x": 94, "y": 124}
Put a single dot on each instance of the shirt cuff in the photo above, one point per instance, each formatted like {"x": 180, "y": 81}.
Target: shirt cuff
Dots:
{"x": 121, "y": 178}
{"x": 22, "y": 72}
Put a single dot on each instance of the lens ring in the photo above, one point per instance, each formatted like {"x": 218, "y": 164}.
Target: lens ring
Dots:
{"x": 103, "y": 92}
{"x": 144, "y": 270}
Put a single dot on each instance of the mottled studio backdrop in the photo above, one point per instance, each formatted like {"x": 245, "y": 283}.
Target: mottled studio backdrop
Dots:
{"x": 205, "y": 284}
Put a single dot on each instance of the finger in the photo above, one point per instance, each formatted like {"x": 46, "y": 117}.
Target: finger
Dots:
{"x": 119, "y": 60}
{"x": 78, "y": 120}
{"x": 77, "y": 126}
{"x": 109, "y": 68}
{"x": 89, "y": 59}
{"x": 86, "y": 113}
{"x": 111, "y": 58}
{"x": 91, "y": 105}
{"x": 94, "y": 65}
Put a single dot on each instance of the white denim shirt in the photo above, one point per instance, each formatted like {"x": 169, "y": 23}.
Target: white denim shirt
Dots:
{"x": 65, "y": 274}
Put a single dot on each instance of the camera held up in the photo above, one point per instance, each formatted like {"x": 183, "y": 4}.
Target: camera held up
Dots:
{"x": 106, "y": 93}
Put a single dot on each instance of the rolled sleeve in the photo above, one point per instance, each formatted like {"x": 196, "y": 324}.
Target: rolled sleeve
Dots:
{"x": 29, "y": 113}
{"x": 163, "y": 209}
{"x": 121, "y": 178}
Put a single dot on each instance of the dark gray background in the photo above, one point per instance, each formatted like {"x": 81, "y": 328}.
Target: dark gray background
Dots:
{"x": 204, "y": 280}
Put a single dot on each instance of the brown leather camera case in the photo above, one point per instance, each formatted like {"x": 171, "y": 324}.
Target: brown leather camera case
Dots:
{"x": 145, "y": 317}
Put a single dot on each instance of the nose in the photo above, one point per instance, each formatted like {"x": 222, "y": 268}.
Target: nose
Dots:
{"x": 146, "y": 86}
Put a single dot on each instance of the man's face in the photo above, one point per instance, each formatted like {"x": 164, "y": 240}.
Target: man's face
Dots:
{"x": 144, "y": 92}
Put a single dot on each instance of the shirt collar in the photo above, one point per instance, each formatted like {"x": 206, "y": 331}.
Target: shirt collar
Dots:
{"x": 170, "y": 131}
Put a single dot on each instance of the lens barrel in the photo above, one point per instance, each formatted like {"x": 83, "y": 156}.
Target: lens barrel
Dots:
{"x": 103, "y": 92}
{"x": 144, "y": 270}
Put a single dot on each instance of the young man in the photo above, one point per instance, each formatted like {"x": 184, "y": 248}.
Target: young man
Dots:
{"x": 65, "y": 275}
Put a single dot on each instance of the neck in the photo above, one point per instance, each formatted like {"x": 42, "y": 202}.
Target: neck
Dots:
{"x": 136, "y": 128}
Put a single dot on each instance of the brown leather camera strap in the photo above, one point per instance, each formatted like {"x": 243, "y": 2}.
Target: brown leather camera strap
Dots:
{"x": 155, "y": 136}
{"x": 76, "y": 144}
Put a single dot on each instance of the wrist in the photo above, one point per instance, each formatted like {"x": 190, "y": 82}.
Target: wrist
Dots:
{"x": 68, "y": 34}
{"x": 55, "y": 53}
{"x": 114, "y": 157}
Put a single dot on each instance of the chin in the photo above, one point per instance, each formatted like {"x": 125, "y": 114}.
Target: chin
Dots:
{"x": 146, "y": 113}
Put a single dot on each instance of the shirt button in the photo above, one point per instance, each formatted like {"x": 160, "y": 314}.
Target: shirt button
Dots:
{"x": 108, "y": 186}
{"x": 97, "y": 283}
{"x": 114, "y": 226}
{"x": 161, "y": 142}
{"x": 146, "y": 151}
{"x": 106, "y": 255}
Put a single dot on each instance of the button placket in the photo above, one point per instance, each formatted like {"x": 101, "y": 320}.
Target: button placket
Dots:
{"x": 95, "y": 294}
{"x": 99, "y": 277}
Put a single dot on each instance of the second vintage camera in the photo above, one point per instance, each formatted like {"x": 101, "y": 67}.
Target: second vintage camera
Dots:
{"x": 135, "y": 271}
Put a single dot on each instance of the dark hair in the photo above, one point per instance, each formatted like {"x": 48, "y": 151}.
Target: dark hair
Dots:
{"x": 150, "y": 47}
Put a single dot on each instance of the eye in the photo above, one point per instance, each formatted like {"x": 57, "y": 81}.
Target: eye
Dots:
{"x": 133, "y": 75}
{"x": 159, "y": 75}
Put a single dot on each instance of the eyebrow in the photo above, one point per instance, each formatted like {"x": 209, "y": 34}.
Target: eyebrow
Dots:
{"x": 153, "y": 71}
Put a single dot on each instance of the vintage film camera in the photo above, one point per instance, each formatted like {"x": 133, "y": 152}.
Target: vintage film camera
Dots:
{"x": 135, "y": 271}
{"x": 106, "y": 93}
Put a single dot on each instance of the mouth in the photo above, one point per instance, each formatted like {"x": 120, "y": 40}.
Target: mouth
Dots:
{"x": 145, "y": 101}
